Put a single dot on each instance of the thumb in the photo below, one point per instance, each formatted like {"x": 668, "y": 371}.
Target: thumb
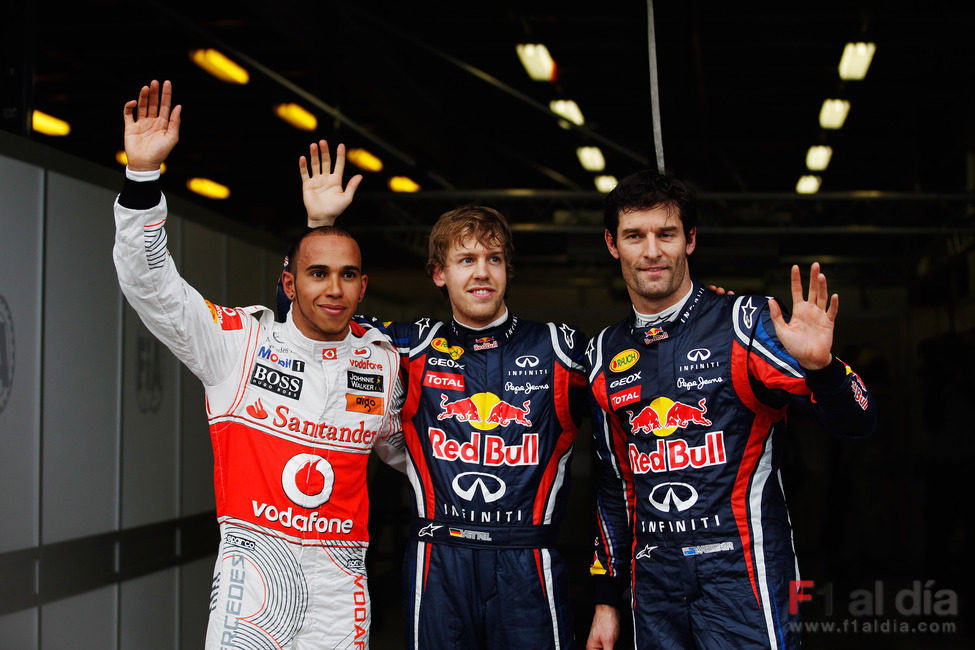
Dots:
{"x": 775, "y": 313}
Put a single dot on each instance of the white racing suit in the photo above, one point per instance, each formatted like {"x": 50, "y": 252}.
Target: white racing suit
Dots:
{"x": 292, "y": 422}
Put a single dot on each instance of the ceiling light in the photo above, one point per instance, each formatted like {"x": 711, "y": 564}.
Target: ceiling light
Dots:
{"x": 296, "y": 116}
{"x": 817, "y": 158}
{"x": 403, "y": 184}
{"x": 49, "y": 125}
{"x": 364, "y": 160}
{"x": 219, "y": 66}
{"x": 122, "y": 159}
{"x": 591, "y": 159}
{"x": 856, "y": 60}
{"x": 606, "y": 183}
{"x": 537, "y": 61}
{"x": 833, "y": 113}
{"x": 568, "y": 109}
{"x": 808, "y": 184}
{"x": 206, "y": 187}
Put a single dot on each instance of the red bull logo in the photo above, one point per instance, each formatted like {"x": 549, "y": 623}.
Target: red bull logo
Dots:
{"x": 485, "y": 343}
{"x": 664, "y": 416}
{"x": 655, "y": 334}
{"x": 674, "y": 455}
{"x": 493, "y": 453}
{"x": 485, "y": 411}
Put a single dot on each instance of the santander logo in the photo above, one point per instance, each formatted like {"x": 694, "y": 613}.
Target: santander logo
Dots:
{"x": 256, "y": 410}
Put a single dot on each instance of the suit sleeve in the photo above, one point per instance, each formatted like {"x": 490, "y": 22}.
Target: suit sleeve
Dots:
{"x": 610, "y": 566}
{"x": 204, "y": 336}
{"x": 835, "y": 394}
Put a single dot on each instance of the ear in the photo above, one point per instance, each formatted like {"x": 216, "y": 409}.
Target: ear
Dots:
{"x": 610, "y": 244}
{"x": 437, "y": 276}
{"x": 362, "y": 288}
{"x": 691, "y": 241}
{"x": 288, "y": 284}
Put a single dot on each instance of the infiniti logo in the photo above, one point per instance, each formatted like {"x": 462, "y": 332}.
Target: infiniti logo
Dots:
{"x": 526, "y": 360}
{"x": 679, "y": 495}
{"x": 699, "y": 354}
{"x": 481, "y": 482}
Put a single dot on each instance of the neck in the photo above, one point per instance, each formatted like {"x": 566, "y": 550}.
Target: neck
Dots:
{"x": 483, "y": 325}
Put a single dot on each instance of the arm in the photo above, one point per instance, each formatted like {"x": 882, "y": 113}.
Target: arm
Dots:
{"x": 321, "y": 189}
{"x": 795, "y": 357}
{"x": 200, "y": 334}
{"x": 605, "y": 628}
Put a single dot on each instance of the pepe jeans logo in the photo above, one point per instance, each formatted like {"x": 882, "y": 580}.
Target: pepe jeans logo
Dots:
{"x": 6, "y": 353}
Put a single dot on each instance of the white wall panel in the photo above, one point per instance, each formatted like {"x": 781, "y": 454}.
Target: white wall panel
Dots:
{"x": 21, "y": 225}
{"x": 81, "y": 358}
{"x": 147, "y": 609}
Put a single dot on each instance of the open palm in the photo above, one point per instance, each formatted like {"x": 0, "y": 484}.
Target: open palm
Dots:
{"x": 321, "y": 186}
{"x": 151, "y": 130}
{"x": 808, "y": 336}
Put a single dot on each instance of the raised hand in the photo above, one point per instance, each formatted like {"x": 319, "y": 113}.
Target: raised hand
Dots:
{"x": 808, "y": 336}
{"x": 321, "y": 189}
{"x": 151, "y": 131}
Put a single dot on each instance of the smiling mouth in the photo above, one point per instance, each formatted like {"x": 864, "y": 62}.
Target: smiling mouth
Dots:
{"x": 481, "y": 293}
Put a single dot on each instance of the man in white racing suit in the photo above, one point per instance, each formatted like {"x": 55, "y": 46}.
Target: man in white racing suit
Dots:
{"x": 294, "y": 409}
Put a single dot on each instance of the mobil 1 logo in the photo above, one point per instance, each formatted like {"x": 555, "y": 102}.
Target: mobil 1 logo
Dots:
{"x": 276, "y": 381}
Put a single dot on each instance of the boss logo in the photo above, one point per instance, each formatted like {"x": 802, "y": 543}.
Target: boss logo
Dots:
{"x": 276, "y": 381}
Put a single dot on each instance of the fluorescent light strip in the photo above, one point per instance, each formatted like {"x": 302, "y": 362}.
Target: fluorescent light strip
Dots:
{"x": 856, "y": 60}
{"x": 537, "y": 61}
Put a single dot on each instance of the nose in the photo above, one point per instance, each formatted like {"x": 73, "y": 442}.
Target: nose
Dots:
{"x": 333, "y": 285}
{"x": 652, "y": 249}
{"x": 481, "y": 268}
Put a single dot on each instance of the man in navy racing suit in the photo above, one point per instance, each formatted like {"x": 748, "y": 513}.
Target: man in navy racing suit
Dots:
{"x": 691, "y": 391}
{"x": 490, "y": 418}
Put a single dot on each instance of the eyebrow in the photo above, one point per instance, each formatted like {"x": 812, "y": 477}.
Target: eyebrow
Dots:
{"x": 326, "y": 267}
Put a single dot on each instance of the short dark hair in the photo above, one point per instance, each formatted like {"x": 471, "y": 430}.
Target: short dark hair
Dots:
{"x": 648, "y": 189}
{"x": 292, "y": 259}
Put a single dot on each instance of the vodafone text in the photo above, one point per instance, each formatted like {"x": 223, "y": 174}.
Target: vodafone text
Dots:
{"x": 303, "y": 523}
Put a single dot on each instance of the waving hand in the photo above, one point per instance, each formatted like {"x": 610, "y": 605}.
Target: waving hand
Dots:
{"x": 151, "y": 131}
{"x": 321, "y": 186}
{"x": 808, "y": 336}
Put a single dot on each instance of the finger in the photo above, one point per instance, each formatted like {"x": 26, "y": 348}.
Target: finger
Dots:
{"x": 834, "y": 307}
{"x": 326, "y": 157}
{"x": 822, "y": 295}
{"x": 339, "y": 161}
{"x": 316, "y": 165}
{"x": 814, "y": 283}
{"x": 167, "y": 100}
{"x": 303, "y": 168}
{"x": 775, "y": 313}
{"x": 175, "y": 118}
{"x": 796, "y": 285}
{"x": 154, "y": 98}
{"x": 143, "y": 101}
{"x": 127, "y": 112}
{"x": 353, "y": 184}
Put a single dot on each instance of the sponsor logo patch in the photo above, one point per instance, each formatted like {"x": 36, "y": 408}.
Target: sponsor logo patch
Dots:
{"x": 276, "y": 381}
{"x": 368, "y": 383}
{"x": 364, "y": 404}
{"x": 440, "y": 345}
{"x": 226, "y": 318}
{"x": 445, "y": 380}
{"x": 624, "y": 360}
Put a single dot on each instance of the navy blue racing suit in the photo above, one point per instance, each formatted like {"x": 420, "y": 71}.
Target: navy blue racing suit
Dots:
{"x": 489, "y": 425}
{"x": 690, "y": 507}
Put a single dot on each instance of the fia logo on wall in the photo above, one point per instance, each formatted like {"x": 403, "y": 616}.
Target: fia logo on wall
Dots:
{"x": 6, "y": 353}
{"x": 148, "y": 372}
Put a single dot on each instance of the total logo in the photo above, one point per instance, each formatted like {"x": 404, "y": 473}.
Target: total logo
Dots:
{"x": 664, "y": 416}
{"x": 484, "y": 411}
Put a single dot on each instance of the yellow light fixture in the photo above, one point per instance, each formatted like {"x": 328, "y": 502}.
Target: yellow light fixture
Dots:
{"x": 403, "y": 184}
{"x": 48, "y": 124}
{"x": 606, "y": 183}
{"x": 206, "y": 187}
{"x": 567, "y": 109}
{"x": 214, "y": 62}
{"x": 808, "y": 184}
{"x": 122, "y": 159}
{"x": 856, "y": 60}
{"x": 364, "y": 160}
{"x": 817, "y": 158}
{"x": 537, "y": 61}
{"x": 591, "y": 159}
{"x": 833, "y": 113}
{"x": 297, "y": 116}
